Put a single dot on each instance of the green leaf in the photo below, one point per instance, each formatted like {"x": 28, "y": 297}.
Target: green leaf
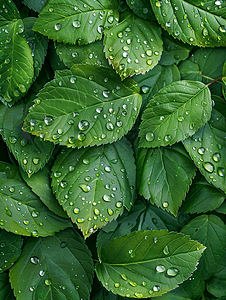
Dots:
{"x": 93, "y": 184}
{"x": 192, "y": 23}
{"x": 222, "y": 209}
{"x": 8, "y": 171}
{"x": 142, "y": 8}
{"x": 138, "y": 264}
{"x": 36, "y": 5}
{"x": 11, "y": 245}
{"x": 133, "y": 46}
{"x": 31, "y": 153}
{"x": 207, "y": 148}
{"x": 103, "y": 108}
{"x": 152, "y": 81}
{"x": 41, "y": 185}
{"x": 174, "y": 113}
{"x": 87, "y": 54}
{"x": 21, "y": 211}
{"x": 6, "y": 292}
{"x": 58, "y": 267}
{"x": 16, "y": 62}
{"x": 202, "y": 197}
{"x": 164, "y": 176}
{"x": 81, "y": 21}
{"x": 210, "y": 231}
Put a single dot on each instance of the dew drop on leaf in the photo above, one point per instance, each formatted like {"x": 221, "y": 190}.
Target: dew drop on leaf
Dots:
{"x": 76, "y": 24}
{"x": 216, "y": 157}
{"x": 106, "y": 198}
{"x": 81, "y": 220}
{"x": 166, "y": 250}
{"x": 41, "y": 273}
{"x": 150, "y": 136}
{"x": 63, "y": 184}
{"x": 118, "y": 204}
{"x": 48, "y": 281}
{"x": 172, "y": 272}
{"x": 81, "y": 137}
{"x": 221, "y": 172}
{"x": 156, "y": 288}
{"x": 63, "y": 244}
{"x": 48, "y": 120}
{"x": 12, "y": 139}
{"x": 201, "y": 150}
{"x": 208, "y": 166}
{"x": 85, "y": 188}
{"x": 165, "y": 204}
{"x": 57, "y": 26}
{"x": 160, "y": 269}
{"x": 76, "y": 210}
{"x": 34, "y": 260}
{"x": 110, "y": 126}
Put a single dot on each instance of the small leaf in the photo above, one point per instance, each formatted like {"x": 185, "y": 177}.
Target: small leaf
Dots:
{"x": 84, "y": 106}
{"x": 133, "y": 46}
{"x": 16, "y": 62}
{"x": 10, "y": 245}
{"x": 202, "y": 197}
{"x": 142, "y": 8}
{"x": 36, "y": 5}
{"x": 82, "y": 21}
{"x": 6, "y": 292}
{"x": 21, "y": 211}
{"x": 60, "y": 266}
{"x": 138, "y": 264}
{"x": 164, "y": 176}
{"x": 193, "y": 23}
{"x": 174, "y": 113}
{"x": 210, "y": 231}
{"x": 93, "y": 184}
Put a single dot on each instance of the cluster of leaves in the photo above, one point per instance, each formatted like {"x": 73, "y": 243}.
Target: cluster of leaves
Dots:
{"x": 136, "y": 166}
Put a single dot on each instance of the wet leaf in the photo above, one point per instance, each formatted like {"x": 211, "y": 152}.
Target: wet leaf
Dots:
{"x": 142, "y": 8}
{"x": 36, "y": 5}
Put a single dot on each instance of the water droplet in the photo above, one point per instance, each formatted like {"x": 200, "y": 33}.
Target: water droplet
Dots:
{"x": 165, "y": 204}
{"x": 172, "y": 272}
{"x": 76, "y": 210}
{"x": 100, "y": 29}
{"x": 168, "y": 138}
{"x": 118, "y": 204}
{"x": 7, "y": 61}
{"x": 117, "y": 285}
{"x": 166, "y": 250}
{"x": 221, "y": 172}
{"x": 208, "y": 166}
{"x": 106, "y": 198}
{"x": 85, "y": 161}
{"x": 34, "y": 260}
{"x": 63, "y": 244}
{"x": 35, "y": 213}
{"x": 41, "y": 273}
{"x": 150, "y": 136}
{"x": 24, "y": 161}
{"x": 149, "y": 62}
{"x": 201, "y": 150}
{"x": 156, "y": 288}
{"x": 57, "y": 174}
{"x": 35, "y": 160}
{"x": 26, "y": 222}
{"x": 222, "y": 29}
{"x": 132, "y": 283}
{"x": 216, "y": 157}
{"x": 48, "y": 281}
{"x": 63, "y": 184}
{"x": 180, "y": 119}
{"x": 80, "y": 220}
{"x": 81, "y": 137}
{"x": 110, "y": 212}
{"x": 23, "y": 142}
{"x": 107, "y": 169}
{"x": 83, "y": 125}
{"x": 168, "y": 24}
{"x": 76, "y": 24}
{"x": 57, "y": 26}
{"x": 48, "y": 120}
{"x": 85, "y": 188}
{"x": 160, "y": 269}
{"x": 110, "y": 126}
{"x": 71, "y": 140}
{"x": 50, "y": 9}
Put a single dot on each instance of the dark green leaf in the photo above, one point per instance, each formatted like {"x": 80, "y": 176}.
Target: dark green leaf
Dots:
{"x": 16, "y": 62}
{"x": 93, "y": 184}
{"x": 36, "y": 5}
{"x": 174, "y": 113}
{"x": 202, "y": 197}
{"x": 84, "y": 106}
{"x": 71, "y": 21}
{"x": 164, "y": 176}
{"x": 21, "y": 211}
{"x": 210, "y": 231}
{"x": 10, "y": 245}
{"x": 142, "y": 8}
{"x": 191, "y": 22}
{"x": 58, "y": 267}
{"x": 222, "y": 209}
{"x": 6, "y": 292}
{"x": 138, "y": 264}
{"x": 133, "y": 46}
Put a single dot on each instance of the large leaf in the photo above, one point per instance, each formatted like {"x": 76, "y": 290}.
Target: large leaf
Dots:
{"x": 164, "y": 176}
{"x": 21, "y": 211}
{"x": 133, "y": 46}
{"x": 10, "y": 249}
{"x": 93, "y": 184}
{"x": 87, "y": 54}
{"x": 36, "y": 5}
{"x": 16, "y": 62}
{"x": 58, "y": 267}
{"x": 152, "y": 81}
{"x": 142, "y": 8}
{"x": 138, "y": 264}
{"x": 6, "y": 292}
{"x": 202, "y": 197}
{"x": 207, "y": 148}
{"x": 83, "y": 21}
{"x": 87, "y": 105}
{"x": 192, "y": 22}
{"x": 210, "y": 231}
{"x": 174, "y": 113}
{"x": 31, "y": 153}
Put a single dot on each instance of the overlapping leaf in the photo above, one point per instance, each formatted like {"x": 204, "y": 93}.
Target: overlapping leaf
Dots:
{"x": 16, "y": 62}
{"x": 210, "y": 231}
{"x": 164, "y": 176}
{"x": 58, "y": 267}
{"x": 174, "y": 113}
{"x": 84, "y": 106}
{"x": 133, "y": 46}
{"x": 192, "y": 22}
{"x": 94, "y": 184}
{"x": 6, "y": 292}
{"x": 142, "y": 8}
{"x": 138, "y": 264}
{"x": 71, "y": 21}
{"x": 36, "y": 5}
{"x": 21, "y": 211}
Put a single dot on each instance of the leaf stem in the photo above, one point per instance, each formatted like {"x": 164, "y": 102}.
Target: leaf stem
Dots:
{"x": 214, "y": 81}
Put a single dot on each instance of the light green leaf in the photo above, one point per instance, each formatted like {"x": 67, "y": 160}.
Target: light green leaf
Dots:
{"x": 87, "y": 54}
{"x": 58, "y": 267}
{"x": 164, "y": 176}
{"x": 207, "y": 148}
{"x": 6, "y": 292}
{"x": 31, "y": 153}
{"x": 93, "y": 184}
{"x": 40, "y": 184}
{"x": 210, "y": 231}
{"x": 202, "y": 197}
{"x": 36, "y": 5}
{"x": 174, "y": 113}
{"x": 142, "y": 8}
{"x": 81, "y": 21}
{"x": 21, "y": 211}
{"x": 191, "y": 22}
{"x": 138, "y": 264}
{"x": 133, "y": 46}
{"x": 11, "y": 245}
{"x": 16, "y": 62}
{"x": 84, "y": 106}
{"x": 152, "y": 81}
